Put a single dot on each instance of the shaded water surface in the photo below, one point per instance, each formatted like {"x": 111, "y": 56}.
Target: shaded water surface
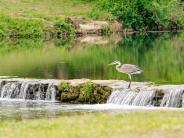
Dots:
{"x": 161, "y": 56}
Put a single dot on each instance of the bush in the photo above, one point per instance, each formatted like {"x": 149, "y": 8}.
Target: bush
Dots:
{"x": 19, "y": 27}
{"x": 139, "y": 14}
{"x": 64, "y": 29}
{"x": 88, "y": 90}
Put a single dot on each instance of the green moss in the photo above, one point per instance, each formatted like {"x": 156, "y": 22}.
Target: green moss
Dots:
{"x": 69, "y": 97}
{"x": 93, "y": 93}
{"x": 86, "y": 92}
{"x": 64, "y": 87}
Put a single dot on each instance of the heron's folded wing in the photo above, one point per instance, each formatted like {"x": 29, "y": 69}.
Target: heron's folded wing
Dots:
{"x": 132, "y": 69}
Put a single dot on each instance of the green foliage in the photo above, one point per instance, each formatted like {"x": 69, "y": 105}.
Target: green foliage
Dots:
{"x": 33, "y": 28}
{"x": 86, "y": 93}
{"x": 64, "y": 29}
{"x": 146, "y": 14}
{"x": 63, "y": 87}
{"x": 88, "y": 90}
{"x": 20, "y": 27}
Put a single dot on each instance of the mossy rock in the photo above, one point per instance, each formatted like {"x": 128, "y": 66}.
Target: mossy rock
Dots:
{"x": 71, "y": 95}
{"x": 88, "y": 92}
{"x": 64, "y": 87}
{"x": 98, "y": 94}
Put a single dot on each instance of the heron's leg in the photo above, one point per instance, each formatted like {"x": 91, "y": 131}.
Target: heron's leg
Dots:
{"x": 130, "y": 78}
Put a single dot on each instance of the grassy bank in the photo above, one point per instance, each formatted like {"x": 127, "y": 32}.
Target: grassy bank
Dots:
{"x": 16, "y": 27}
{"x": 40, "y": 18}
{"x": 50, "y": 9}
{"x": 44, "y": 8}
{"x": 99, "y": 125}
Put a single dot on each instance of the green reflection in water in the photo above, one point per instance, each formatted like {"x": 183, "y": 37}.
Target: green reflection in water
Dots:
{"x": 161, "y": 57}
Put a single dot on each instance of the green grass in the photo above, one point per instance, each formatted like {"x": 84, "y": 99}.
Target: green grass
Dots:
{"x": 99, "y": 125}
{"x": 17, "y": 27}
{"x": 44, "y": 7}
{"x": 33, "y": 18}
{"x": 50, "y": 9}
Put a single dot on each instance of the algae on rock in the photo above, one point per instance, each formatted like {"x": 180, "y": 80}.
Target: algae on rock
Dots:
{"x": 84, "y": 93}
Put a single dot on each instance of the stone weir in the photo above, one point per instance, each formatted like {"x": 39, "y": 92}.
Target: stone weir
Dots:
{"x": 92, "y": 92}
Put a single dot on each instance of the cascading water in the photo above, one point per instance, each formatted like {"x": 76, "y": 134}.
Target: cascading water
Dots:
{"x": 28, "y": 90}
{"x": 144, "y": 98}
{"x": 123, "y": 97}
{"x": 173, "y": 97}
{"x": 51, "y": 92}
{"x": 128, "y": 97}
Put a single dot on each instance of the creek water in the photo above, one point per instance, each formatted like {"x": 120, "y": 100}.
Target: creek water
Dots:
{"x": 160, "y": 55}
{"x": 21, "y": 110}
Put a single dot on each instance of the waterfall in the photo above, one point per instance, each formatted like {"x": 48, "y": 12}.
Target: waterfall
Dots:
{"x": 173, "y": 98}
{"x": 158, "y": 96}
{"x": 51, "y": 92}
{"x": 9, "y": 90}
{"x": 128, "y": 97}
{"x": 28, "y": 90}
{"x": 124, "y": 97}
{"x": 144, "y": 98}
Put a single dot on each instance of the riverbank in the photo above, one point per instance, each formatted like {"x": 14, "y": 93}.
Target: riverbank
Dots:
{"x": 24, "y": 27}
{"x": 149, "y": 124}
{"x": 61, "y": 19}
{"x": 51, "y": 19}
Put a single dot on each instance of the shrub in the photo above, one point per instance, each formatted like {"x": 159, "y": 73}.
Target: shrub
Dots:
{"x": 139, "y": 14}
{"x": 19, "y": 27}
{"x": 86, "y": 93}
{"x": 88, "y": 90}
{"x": 64, "y": 29}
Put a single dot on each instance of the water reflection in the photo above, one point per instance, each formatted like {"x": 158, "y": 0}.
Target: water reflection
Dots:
{"x": 160, "y": 55}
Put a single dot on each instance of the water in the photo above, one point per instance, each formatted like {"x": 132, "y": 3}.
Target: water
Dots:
{"x": 28, "y": 89}
{"x": 161, "y": 97}
{"x": 128, "y": 97}
{"x": 173, "y": 98}
{"x": 160, "y": 55}
{"x": 33, "y": 99}
{"x": 21, "y": 110}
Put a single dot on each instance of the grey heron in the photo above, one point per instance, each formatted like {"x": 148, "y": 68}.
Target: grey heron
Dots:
{"x": 128, "y": 69}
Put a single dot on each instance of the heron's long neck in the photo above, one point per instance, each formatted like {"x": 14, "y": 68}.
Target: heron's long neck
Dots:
{"x": 118, "y": 66}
